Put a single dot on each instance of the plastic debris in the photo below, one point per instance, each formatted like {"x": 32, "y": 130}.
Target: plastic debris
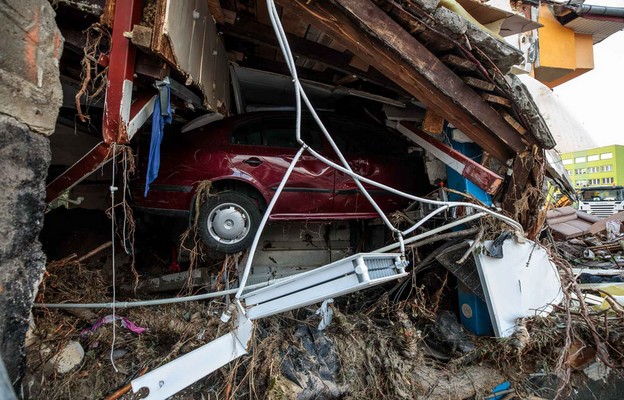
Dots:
{"x": 496, "y": 249}
{"x": 326, "y": 313}
{"x": 125, "y": 322}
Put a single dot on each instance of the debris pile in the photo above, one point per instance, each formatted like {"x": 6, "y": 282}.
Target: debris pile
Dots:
{"x": 399, "y": 341}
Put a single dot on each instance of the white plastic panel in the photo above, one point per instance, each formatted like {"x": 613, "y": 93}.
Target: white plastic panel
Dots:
{"x": 523, "y": 283}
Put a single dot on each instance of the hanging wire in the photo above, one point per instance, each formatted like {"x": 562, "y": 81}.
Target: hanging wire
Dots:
{"x": 113, "y": 189}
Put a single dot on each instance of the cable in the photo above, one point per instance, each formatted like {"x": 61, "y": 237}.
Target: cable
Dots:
{"x": 113, "y": 189}
{"x": 157, "y": 302}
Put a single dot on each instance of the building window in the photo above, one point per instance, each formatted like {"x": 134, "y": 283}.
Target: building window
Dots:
{"x": 606, "y": 156}
{"x": 581, "y": 183}
{"x": 579, "y": 159}
{"x": 607, "y": 180}
{"x": 595, "y": 157}
{"x": 580, "y": 171}
{"x": 606, "y": 168}
{"x": 592, "y": 170}
{"x": 594, "y": 181}
{"x": 567, "y": 162}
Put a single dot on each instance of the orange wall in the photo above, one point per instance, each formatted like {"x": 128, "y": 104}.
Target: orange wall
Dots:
{"x": 584, "y": 51}
{"x": 556, "y": 42}
{"x": 563, "y": 54}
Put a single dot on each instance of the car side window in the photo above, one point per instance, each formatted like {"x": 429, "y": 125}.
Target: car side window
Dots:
{"x": 359, "y": 139}
{"x": 249, "y": 134}
{"x": 277, "y": 132}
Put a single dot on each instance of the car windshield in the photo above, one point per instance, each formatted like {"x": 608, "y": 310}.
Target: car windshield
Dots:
{"x": 602, "y": 195}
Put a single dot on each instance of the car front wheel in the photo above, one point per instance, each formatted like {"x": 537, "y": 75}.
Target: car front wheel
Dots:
{"x": 228, "y": 222}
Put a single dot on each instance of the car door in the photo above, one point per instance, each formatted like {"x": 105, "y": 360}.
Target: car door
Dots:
{"x": 264, "y": 149}
{"x": 375, "y": 153}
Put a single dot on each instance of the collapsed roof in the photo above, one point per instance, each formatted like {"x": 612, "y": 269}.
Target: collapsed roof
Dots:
{"x": 432, "y": 54}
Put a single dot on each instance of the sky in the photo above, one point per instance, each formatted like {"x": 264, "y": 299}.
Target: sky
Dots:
{"x": 596, "y": 98}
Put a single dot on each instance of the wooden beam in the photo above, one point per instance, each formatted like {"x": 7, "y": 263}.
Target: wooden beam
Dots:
{"x": 490, "y": 98}
{"x": 479, "y": 83}
{"x": 512, "y": 121}
{"x": 458, "y": 62}
{"x": 384, "y": 44}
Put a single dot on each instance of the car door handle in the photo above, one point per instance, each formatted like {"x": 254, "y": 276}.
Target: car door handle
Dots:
{"x": 253, "y": 161}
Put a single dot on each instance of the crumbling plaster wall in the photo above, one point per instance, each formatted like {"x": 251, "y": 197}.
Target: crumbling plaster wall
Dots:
{"x": 30, "y": 94}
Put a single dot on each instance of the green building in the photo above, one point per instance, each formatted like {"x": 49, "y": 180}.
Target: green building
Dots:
{"x": 601, "y": 166}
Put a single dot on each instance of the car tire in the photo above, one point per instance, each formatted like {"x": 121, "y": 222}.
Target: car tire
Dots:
{"x": 228, "y": 222}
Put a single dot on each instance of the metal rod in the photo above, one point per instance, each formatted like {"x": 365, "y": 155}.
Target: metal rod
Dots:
{"x": 431, "y": 232}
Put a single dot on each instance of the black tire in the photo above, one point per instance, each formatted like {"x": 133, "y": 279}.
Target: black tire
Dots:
{"x": 237, "y": 209}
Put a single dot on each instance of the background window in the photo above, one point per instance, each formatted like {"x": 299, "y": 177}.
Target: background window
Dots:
{"x": 567, "y": 162}
{"x": 607, "y": 168}
{"x": 580, "y": 171}
{"x": 606, "y": 156}
{"x": 595, "y": 157}
{"x": 579, "y": 159}
{"x": 607, "y": 180}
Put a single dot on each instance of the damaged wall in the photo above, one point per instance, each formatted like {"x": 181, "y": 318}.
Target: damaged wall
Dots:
{"x": 31, "y": 93}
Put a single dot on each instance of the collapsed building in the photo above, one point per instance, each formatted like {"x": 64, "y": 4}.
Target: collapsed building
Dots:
{"x": 430, "y": 70}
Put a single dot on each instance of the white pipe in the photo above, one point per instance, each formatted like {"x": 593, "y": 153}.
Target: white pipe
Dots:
{"x": 426, "y": 218}
{"x": 265, "y": 218}
{"x": 156, "y": 302}
{"x": 431, "y": 232}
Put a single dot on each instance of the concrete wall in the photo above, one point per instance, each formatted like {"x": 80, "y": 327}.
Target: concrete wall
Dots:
{"x": 31, "y": 94}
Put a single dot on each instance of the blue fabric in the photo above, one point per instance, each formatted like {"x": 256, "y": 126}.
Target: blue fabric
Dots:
{"x": 158, "y": 126}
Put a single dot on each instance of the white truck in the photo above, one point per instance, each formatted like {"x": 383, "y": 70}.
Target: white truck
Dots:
{"x": 602, "y": 201}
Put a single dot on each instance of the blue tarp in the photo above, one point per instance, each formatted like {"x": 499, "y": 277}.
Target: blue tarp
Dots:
{"x": 158, "y": 126}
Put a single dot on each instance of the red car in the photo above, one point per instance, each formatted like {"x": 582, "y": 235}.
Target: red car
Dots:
{"x": 246, "y": 156}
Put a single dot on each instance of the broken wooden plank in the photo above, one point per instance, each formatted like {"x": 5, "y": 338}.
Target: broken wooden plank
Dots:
{"x": 380, "y": 41}
{"x": 512, "y": 121}
{"x": 479, "y": 83}
{"x": 490, "y": 98}
{"x": 433, "y": 41}
{"x": 468, "y": 168}
{"x": 432, "y": 123}
{"x": 457, "y": 62}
